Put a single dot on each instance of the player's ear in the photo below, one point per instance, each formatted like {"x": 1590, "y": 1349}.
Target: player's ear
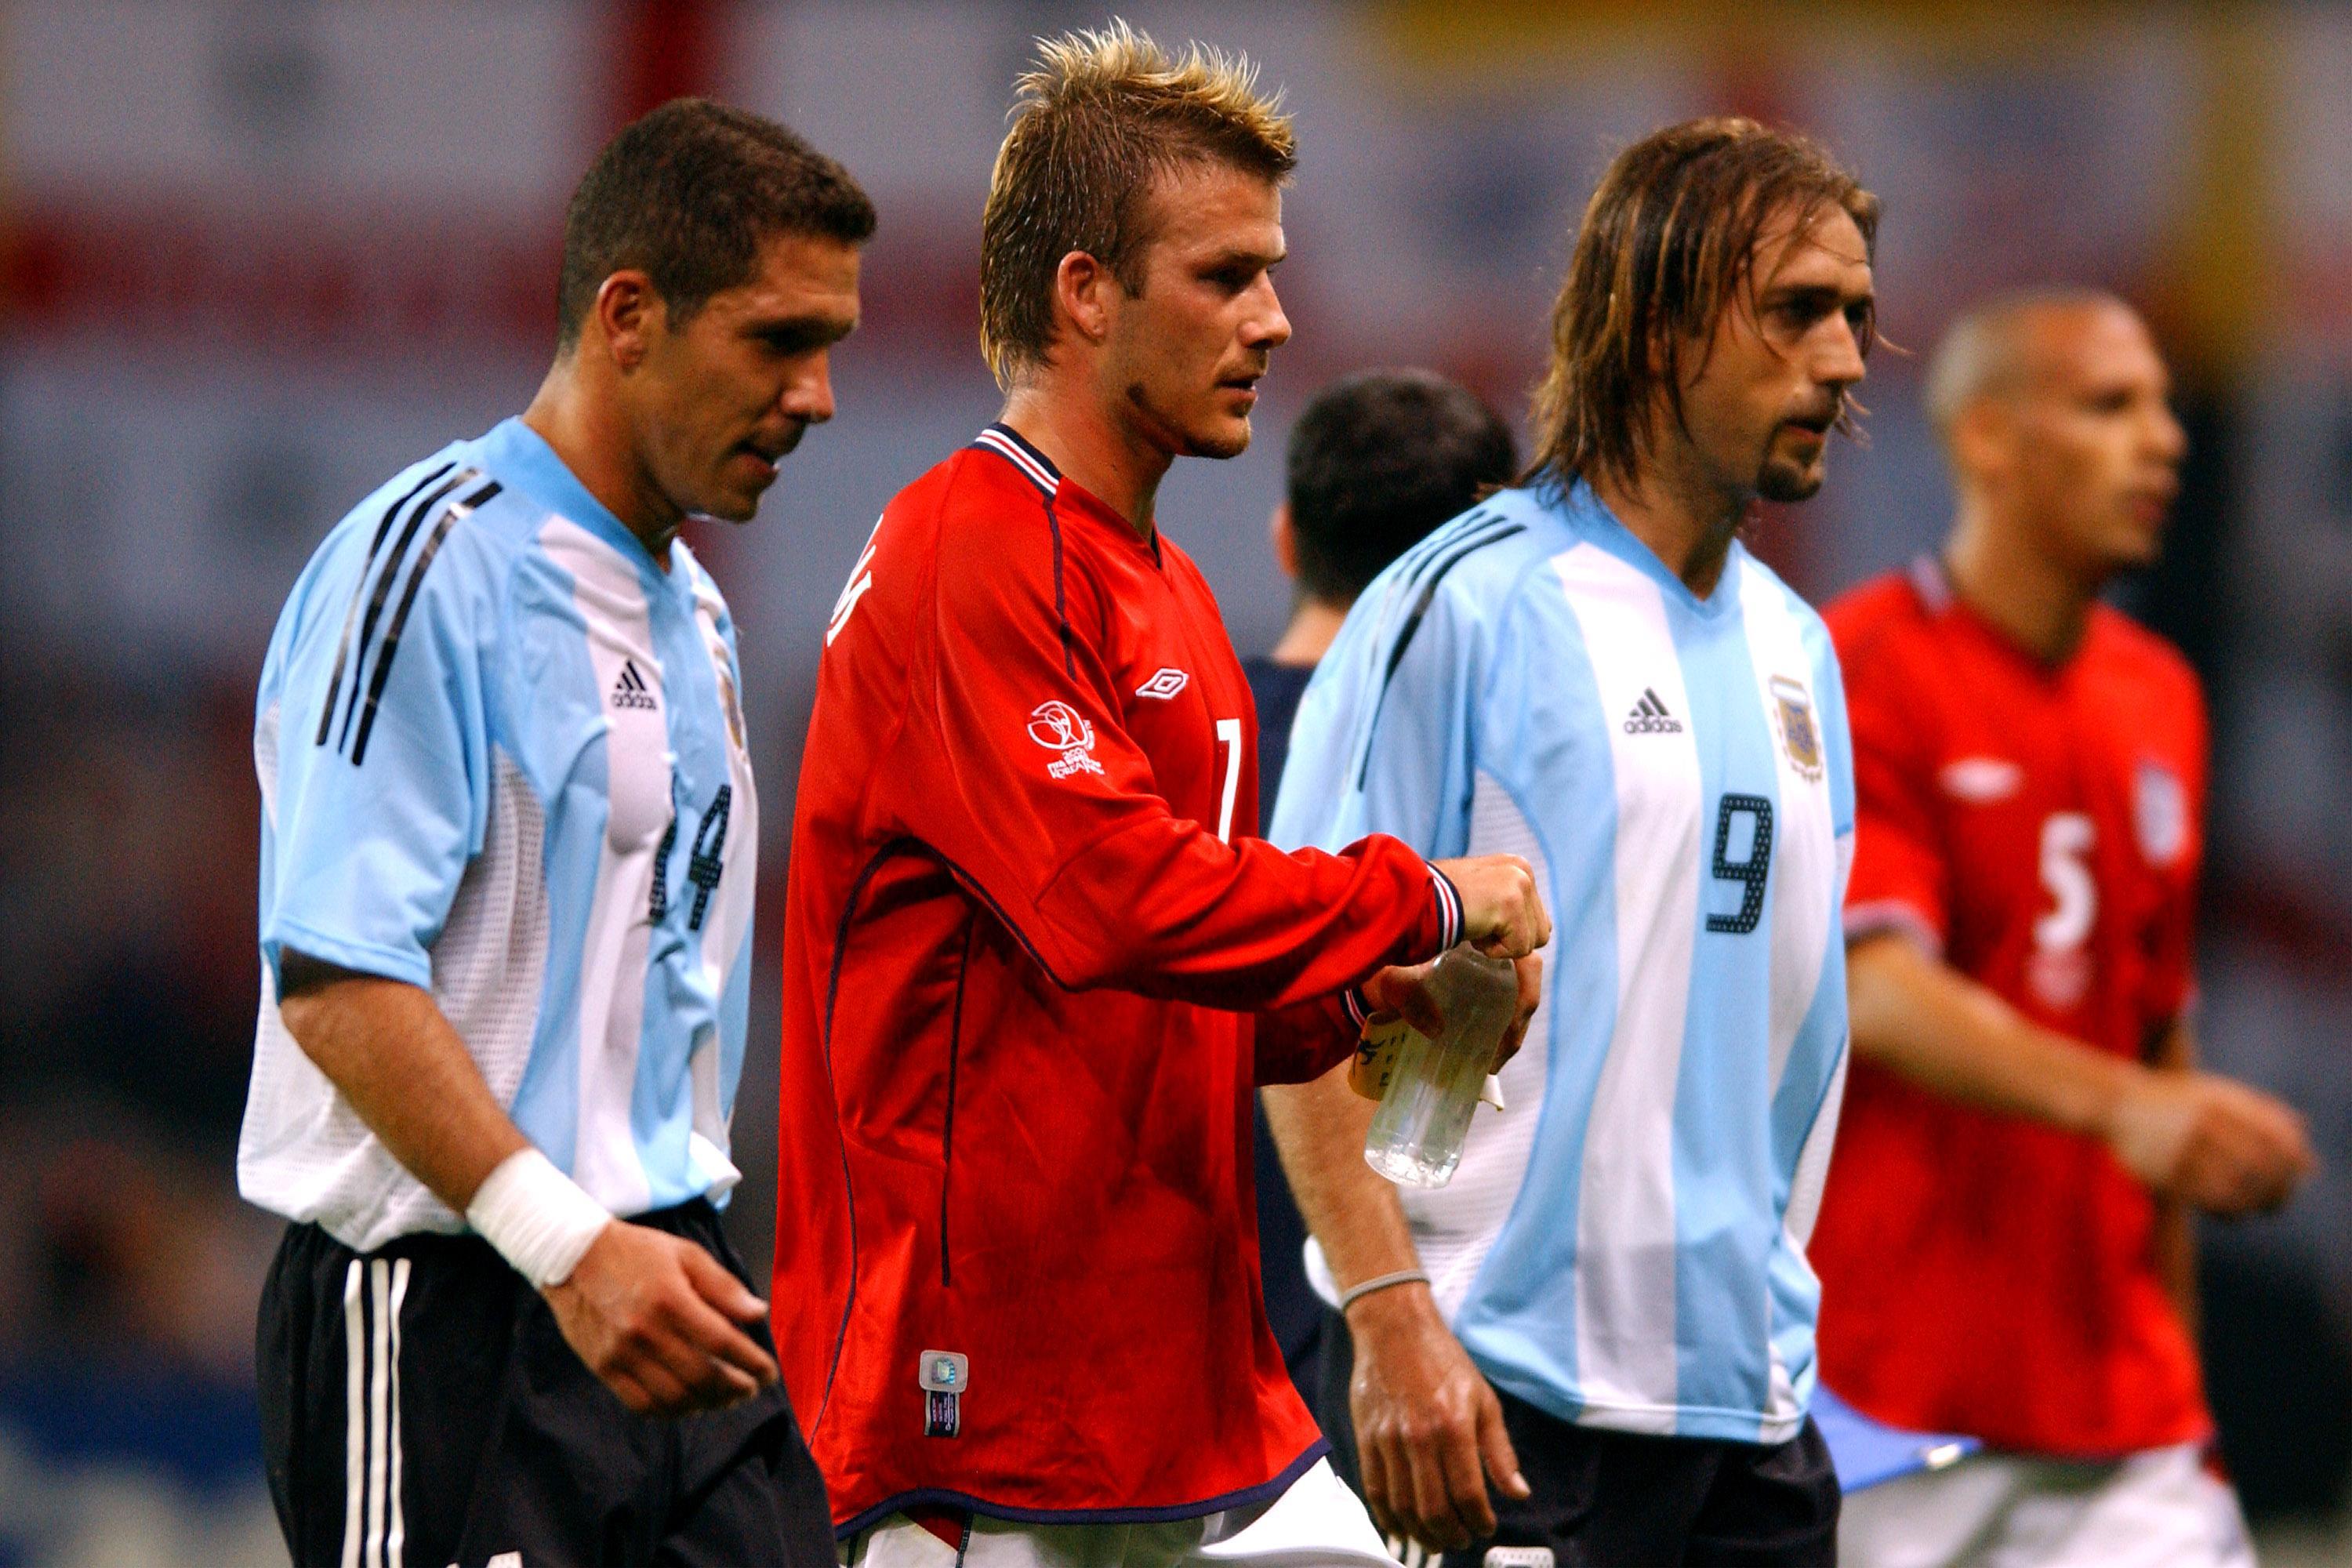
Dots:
{"x": 1286, "y": 541}
{"x": 1983, "y": 438}
{"x": 1082, "y": 290}
{"x": 627, "y": 312}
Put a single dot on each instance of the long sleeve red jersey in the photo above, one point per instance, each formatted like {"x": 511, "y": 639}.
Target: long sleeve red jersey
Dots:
{"x": 1035, "y": 962}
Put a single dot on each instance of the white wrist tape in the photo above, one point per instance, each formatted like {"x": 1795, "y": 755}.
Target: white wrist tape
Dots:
{"x": 539, "y": 1218}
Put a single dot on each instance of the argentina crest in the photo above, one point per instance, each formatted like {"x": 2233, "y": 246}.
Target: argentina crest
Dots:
{"x": 1792, "y": 711}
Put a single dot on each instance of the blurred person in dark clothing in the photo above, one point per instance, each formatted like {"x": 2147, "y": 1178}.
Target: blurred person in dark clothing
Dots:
{"x": 1375, "y": 462}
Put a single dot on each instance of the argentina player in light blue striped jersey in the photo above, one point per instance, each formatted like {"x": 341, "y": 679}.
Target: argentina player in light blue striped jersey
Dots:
{"x": 509, "y": 858}
{"x": 1590, "y": 672}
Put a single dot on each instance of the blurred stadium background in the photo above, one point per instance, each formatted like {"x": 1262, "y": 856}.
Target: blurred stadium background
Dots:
{"x": 255, "y": 254}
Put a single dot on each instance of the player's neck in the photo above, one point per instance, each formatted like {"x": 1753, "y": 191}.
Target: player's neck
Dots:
{"x": 1313, "y": 627}
{"x": 1061, "y": 417}
{"x": 2027, "y": 597}
{"x": 1687, "y": 527}
{"x": 592, "y": 439}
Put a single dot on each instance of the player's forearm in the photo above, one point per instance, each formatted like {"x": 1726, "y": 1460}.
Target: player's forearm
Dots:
{"x": 388, "y": 1048}
{"x": 1319, "y": 1127}
{"x": 1165, "y": 909}
{"x": 1917, "y": 1017}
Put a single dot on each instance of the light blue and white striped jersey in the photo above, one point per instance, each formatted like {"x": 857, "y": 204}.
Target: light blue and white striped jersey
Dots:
{"x": 1625, "y": 1246}
{"x": 501, "y": 757}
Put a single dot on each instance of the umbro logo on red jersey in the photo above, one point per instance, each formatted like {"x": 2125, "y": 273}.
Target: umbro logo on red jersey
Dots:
{"x": 1650, "y": 717}
{"x": 1980, "y": 781}
{"x": 630, "y": 690}
{"x": 1165, "y": 684}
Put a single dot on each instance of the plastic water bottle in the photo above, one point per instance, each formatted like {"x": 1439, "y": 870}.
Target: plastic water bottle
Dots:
{"x": 1432, "y": 1085}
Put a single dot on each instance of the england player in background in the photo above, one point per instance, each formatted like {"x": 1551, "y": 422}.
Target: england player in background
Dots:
{"x": 2005, "y": 1243}
{"x": 1375, "y": 461}
{"x": 507, "y": 875}
{"x": 1611, "y": 1305}
{"x": 1036, "y": 959}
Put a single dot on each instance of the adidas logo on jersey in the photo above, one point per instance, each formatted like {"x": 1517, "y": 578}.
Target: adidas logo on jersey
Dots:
{"x": 630, "y": 690}
{"x": 1650, "y": 717}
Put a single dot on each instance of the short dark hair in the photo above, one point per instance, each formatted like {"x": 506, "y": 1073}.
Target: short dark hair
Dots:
{"x": 690, "y": 194}
{"x": 1377, "y": 461}
{"x": 1667, "y": 245}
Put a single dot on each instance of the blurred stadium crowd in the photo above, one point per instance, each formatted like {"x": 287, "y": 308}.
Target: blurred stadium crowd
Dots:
{"x": 255, "y": 251}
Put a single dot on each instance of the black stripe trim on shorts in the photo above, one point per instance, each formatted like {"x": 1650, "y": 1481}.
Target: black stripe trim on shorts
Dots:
{"x": 358, "y": 592}
{"x": 425, "y": 555}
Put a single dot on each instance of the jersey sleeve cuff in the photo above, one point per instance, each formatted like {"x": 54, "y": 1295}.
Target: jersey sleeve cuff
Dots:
{"x": 1877, "y": 917}
{"x": 1449, "y": 909}
{"x": 360, "y": 957}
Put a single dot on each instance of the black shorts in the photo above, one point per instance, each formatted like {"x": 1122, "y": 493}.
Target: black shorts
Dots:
{"x": 419, "y": 1406}
{"x": 1619, "y": 1500}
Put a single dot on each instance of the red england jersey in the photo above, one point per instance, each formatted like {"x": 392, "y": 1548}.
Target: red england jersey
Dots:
{"x": 1035, "y": 961}
{"x": 2041, "y": 829}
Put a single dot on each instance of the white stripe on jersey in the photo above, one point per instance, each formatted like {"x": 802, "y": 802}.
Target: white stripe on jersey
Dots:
{"x": 1625, "y": 1238}
{"x": 727, "y": 924}
{"x": 1801, "y": 830}
{"x": 612, "y": 602}
{"x": 1454, "y": 1228}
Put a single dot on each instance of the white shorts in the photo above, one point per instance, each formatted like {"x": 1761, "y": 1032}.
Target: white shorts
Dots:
{"x": 1318, "y": 1523}
{"x": 2161, "y": 1508}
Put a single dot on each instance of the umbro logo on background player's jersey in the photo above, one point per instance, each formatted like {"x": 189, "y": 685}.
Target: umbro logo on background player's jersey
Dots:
{"x": 630, "y": 690}
{"x": 1981, "y": 780}
{"x": 1650, "y": 717}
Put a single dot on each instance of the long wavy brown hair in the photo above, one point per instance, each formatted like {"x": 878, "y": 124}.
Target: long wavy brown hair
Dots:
{"x": 1668, "y": 243}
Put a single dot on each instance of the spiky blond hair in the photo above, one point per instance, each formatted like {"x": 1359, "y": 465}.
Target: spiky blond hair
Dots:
{"x": 1099, "y": 119}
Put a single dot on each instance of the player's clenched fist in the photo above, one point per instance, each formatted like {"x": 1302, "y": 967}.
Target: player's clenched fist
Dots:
{"x": 649, "y": 1313}
{"x": 2207, "y": 1140}
{"x": 1503, "y": 915}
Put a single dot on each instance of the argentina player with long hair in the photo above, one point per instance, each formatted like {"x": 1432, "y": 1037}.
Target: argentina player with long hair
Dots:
{"x": 1609, "y": 1310}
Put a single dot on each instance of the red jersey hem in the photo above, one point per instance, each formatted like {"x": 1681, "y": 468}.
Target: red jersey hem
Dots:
{"x": 948, "y": 1496}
